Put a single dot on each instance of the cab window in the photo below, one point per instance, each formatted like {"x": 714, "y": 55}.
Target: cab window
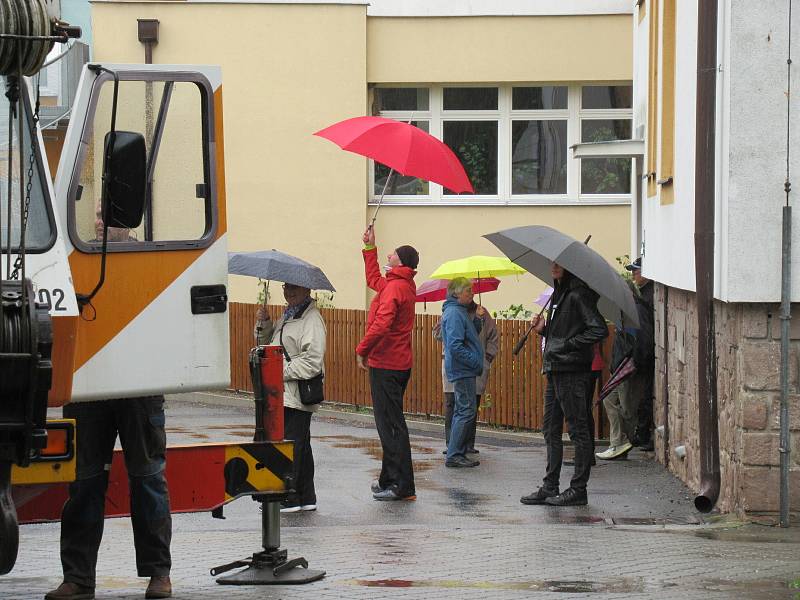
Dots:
{"x": 173, "y": 116}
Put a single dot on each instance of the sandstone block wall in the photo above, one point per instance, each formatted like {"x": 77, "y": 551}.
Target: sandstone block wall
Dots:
{"x": 748, "y": 387}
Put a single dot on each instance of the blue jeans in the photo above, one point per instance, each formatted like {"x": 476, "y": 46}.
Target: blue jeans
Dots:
{"x": 464, "y": 413}
{"x": 140, "y": 425}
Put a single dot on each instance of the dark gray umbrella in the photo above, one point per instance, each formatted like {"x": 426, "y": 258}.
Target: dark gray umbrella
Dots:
{"x": 278, "y": 266}
{"x": 536, "y": 247}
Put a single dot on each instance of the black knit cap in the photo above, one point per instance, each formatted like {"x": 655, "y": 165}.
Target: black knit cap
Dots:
{"x": 408, "y": 256}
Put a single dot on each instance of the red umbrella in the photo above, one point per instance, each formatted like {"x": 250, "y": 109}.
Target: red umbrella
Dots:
{"x": 435, "y": 290}
{"x": 402, "y": 147}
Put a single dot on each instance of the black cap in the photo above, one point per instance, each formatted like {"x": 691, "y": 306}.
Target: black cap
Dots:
{"x": 408, "y": 256}
{"x": 635, "y": 265}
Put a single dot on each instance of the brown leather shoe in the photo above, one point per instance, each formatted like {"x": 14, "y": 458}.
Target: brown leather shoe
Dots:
{"x": 70, "y": 591}
{"x": 159, "y": 587}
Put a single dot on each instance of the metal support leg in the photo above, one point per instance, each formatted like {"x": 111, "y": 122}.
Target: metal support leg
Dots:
{"x": 270, "y": 567}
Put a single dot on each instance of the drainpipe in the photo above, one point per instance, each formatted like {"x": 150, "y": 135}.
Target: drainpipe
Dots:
{"x": 705, "y": 169}
{"x": 147, "y": 30}
{"x": 665, "y": 386}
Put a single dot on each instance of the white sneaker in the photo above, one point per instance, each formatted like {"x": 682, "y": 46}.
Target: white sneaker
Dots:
{"x": 308, "y": 507}
{"x": 291, "y": 509}
{"x": 614, "y": 452}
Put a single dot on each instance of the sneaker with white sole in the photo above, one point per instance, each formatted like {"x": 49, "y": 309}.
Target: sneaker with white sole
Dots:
{"x": 615, "y": 452}
{"x": 308, "y": 507}
{"x": 290, "y": 508}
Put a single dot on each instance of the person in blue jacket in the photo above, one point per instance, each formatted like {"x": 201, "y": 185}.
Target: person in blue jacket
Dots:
{"x": 463, "y": 362}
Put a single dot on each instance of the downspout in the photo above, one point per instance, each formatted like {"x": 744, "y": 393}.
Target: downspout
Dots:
{"x": 665, "y": 386}
{"x": 704, "y": 214}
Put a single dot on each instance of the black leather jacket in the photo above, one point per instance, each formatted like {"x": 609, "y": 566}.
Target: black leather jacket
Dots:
{"x": 574, "y": 326}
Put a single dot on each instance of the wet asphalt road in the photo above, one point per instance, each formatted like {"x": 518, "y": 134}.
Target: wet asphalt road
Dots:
{"x": 467, "y": 535}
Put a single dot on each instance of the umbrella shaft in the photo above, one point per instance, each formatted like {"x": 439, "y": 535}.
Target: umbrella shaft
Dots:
{"x": 380, "y": 200}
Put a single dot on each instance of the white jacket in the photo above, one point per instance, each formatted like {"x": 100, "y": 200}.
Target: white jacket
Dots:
{"x": 304, "y": 339}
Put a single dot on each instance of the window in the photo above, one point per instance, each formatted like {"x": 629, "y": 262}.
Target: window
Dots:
{"x": 39, "y": 225}
{"x": 173, "y": 117}
{"x": 513, "y": 141}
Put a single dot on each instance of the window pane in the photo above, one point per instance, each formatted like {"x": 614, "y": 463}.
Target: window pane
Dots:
{"x": 605, "y": 175}
{"x": 401, "y": 99}
{"x": 400, "y": 184}
{"x": 605, "y": 130}
{"x": 539, "y": 157}
{"x": 475, "y": 144}
{"x": 607, "y": 96}
{"x": 176, "y": 213}
{"x": 38, "y": 231}
{"x": 470, "y": 98}
{"x": 539, "y": 98}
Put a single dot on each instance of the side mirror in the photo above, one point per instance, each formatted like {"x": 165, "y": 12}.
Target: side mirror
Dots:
{"x": 124, "y": 179}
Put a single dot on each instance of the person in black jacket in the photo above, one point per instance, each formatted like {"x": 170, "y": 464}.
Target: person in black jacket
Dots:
{"x": 573, "y": 327}
{"x": 646, "y": 367}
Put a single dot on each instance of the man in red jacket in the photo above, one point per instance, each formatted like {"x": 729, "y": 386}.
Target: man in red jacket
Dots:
{"x": 386, "y": 350}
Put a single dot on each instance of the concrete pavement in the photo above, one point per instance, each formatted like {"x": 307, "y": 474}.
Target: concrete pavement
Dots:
{"x": 467, "y": 536}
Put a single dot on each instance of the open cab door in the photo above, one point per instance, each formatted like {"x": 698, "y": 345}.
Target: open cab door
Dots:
{"x": 157, "y": 321}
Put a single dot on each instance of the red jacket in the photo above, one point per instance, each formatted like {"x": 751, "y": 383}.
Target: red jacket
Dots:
{"x": 387, "y": 342}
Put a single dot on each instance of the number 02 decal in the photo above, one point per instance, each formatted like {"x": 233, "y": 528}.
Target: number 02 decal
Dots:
{"x": 46, "y": 298}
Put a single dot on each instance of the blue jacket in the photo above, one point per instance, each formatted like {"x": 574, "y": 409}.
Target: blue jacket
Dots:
{"x": 463, "y": 353}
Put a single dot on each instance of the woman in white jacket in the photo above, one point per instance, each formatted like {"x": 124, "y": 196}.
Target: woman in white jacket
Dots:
{"x": 302, "y": 333}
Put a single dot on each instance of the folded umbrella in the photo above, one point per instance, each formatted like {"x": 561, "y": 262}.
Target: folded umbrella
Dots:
{"x": 435, "y": 290}
{"x": 278, "y": 266}
{"x": 624, "y": 370}
{"x": 536, "y": 247}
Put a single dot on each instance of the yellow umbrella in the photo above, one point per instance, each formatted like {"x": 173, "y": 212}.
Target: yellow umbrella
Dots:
{"x": 477, "y": 266}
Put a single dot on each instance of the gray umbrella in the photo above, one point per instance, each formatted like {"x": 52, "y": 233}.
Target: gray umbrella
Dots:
{"x": 278, "y": 266}
{"x": 535, "y": 247}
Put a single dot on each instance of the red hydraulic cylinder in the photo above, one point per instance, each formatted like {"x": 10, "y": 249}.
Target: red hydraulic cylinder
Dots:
{"x": 267, "y": 372}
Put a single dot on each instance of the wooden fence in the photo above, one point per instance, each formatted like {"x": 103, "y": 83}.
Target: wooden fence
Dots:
{"x": 514, "y": 395}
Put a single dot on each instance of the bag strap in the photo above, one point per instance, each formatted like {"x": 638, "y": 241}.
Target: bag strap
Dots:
{"x": 280, "y": 337}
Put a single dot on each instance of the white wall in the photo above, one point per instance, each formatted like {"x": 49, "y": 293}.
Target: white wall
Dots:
{"x": 758, "y": 51}
{"x": 668, "y": 229}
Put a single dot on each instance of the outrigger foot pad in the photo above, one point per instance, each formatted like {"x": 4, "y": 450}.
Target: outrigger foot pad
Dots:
{"x": 268, "y": 568}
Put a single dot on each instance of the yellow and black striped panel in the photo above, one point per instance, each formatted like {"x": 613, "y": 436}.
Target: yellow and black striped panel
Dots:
{"x": 257, "y": 467}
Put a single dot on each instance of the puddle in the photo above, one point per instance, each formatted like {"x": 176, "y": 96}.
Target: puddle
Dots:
{"x": 622, "y": 585}
{"x": 689, "y": 520}
{"x": 372, "y": 447}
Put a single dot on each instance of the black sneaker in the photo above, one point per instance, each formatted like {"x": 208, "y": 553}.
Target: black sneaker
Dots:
{"x": 569, "y": 497}
{"x": 539, "y": 496}
{"x": 392, "y": 495}
{"x": 458, "y": 462}
{"x": 376, "y": 487}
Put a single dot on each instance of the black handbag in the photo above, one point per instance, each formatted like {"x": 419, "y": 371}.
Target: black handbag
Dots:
{"x": 311, "y": 390}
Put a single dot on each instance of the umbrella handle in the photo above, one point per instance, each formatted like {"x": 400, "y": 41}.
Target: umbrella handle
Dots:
{"x": 524, "y": 338}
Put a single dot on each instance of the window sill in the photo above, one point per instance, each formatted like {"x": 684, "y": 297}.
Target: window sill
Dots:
{"x": 546, "y": 201}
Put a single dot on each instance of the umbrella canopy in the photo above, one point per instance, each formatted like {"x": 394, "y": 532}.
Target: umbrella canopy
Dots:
{"x": 435, "y": 290}
{"x": 278, "y": 266}
{"x": 536, "y": 247}
{"x": 477, "y": 266}
{"x": 403, "y": 147}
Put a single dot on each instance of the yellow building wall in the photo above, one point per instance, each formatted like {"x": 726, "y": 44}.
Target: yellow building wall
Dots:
{"x": 445, "y": 233}
{"x": 496, "y": 49}
{"x": 288, "y": 71}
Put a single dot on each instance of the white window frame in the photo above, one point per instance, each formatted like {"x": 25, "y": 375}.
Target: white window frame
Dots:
{"x": 504, "y": 116}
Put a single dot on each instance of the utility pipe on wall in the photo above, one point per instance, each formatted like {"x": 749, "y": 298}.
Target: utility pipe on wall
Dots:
{"x": 704, "y": 213}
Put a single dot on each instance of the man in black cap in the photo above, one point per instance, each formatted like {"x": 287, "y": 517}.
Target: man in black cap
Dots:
{"x": 385, "y": 350}
{"x": 646, "y": 344}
